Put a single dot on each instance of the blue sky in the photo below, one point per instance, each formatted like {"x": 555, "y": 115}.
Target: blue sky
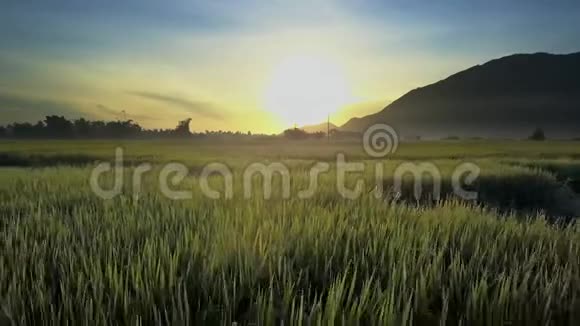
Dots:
{"x": 212, "y": 60}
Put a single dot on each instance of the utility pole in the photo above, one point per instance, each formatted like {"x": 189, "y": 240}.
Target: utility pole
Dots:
{"x": 328, "y": 128}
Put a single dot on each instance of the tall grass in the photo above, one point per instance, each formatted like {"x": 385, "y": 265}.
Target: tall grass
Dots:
{"x": 69, "y": 257}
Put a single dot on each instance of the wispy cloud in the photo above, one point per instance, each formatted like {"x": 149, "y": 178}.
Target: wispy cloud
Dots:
{"x": 122, "y": 114}
{"x": 201, "y": 108}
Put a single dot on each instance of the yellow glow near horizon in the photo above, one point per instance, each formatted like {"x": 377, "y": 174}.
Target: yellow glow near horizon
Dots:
{"x": 304, "y": 90}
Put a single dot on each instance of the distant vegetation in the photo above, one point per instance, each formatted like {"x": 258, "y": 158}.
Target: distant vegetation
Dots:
{"x": 538, "y": 135}
{"x": 296, "y": 133}
{"x": 58, "y": 127}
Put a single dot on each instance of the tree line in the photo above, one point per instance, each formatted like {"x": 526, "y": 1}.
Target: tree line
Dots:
{"x": 58, "y": 127}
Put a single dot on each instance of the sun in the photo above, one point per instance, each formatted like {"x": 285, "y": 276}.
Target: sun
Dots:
{"x": 304, "y": 90}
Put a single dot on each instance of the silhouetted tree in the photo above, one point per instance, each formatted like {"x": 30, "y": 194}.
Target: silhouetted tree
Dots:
{"x": 122, "y": 129}
{"x": 27, "y": 130}
{"x": 82, "y": 128}
{"x": 538, "y": 135}
{"x": 339, "y": 134}
{"x": 182, "y": 128}
{"x": 295, "y": 133}
{"x": 58, "y": 127}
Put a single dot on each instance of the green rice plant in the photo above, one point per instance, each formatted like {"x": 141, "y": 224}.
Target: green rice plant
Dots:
{"x": 70, "y": 257}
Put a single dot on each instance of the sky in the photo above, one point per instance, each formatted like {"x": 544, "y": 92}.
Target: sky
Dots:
{"x": 253, "y": 65}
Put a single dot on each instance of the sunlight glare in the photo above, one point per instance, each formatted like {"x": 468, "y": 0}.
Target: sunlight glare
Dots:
{"x": 304, "y": 90}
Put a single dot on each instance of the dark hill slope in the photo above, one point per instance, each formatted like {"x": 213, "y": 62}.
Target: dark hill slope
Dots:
{"x": 507, "y": 97}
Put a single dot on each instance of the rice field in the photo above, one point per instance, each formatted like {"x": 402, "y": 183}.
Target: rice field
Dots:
{"x": 70, "y": 257}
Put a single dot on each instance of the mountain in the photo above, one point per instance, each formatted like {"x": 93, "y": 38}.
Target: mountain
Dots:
{"x": 506, "y": 97}
{"x": 322, "y": 127}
